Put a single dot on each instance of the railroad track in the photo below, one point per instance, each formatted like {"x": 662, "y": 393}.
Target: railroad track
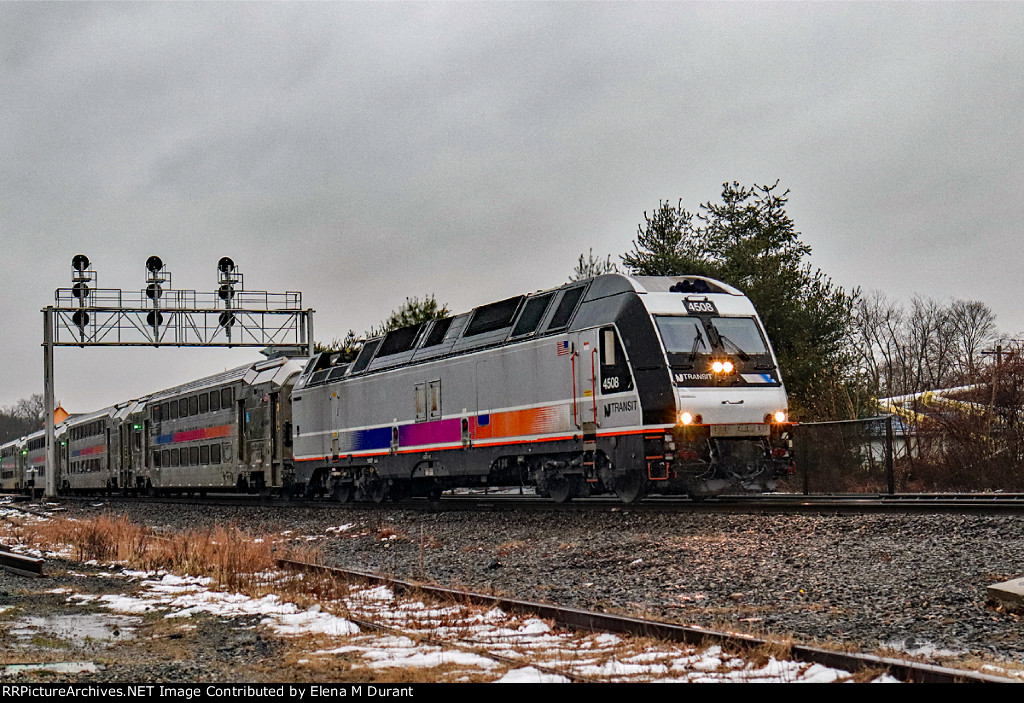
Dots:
{"x": 766, "y": 503}
{"x": 576, "y": 619}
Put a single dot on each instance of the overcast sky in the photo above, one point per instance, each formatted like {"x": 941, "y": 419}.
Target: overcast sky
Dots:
{"x": 361, "y": 153}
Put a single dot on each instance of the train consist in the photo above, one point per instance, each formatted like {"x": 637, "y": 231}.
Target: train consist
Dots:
{"x": 607, "y": 385}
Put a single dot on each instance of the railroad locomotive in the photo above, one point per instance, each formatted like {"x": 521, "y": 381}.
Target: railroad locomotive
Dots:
{"x": 615, "y": 384}
{"x": 611, "y": 384}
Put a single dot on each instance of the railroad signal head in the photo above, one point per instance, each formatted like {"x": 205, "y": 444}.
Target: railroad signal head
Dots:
{"x": 80, "y": 262}
{"x": 80, "y": 318}
{"x": 225, "y": 265}
{"x": 154, "y": 319}
{"x": 226, "y": 319}
{"x": 80, "y": 290}
{"x": 226, "y": 291}
{"x": 154, "y": 264}
{"x": 154, "y": 291}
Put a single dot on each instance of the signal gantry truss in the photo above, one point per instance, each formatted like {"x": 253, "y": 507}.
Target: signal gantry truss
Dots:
{"x": 85, "y": 315}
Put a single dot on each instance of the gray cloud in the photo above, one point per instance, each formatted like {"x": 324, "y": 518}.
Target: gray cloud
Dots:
{"x": 364, "y": 152}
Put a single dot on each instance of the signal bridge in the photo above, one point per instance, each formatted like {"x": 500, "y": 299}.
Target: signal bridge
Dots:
{"x": 86, "y": 315}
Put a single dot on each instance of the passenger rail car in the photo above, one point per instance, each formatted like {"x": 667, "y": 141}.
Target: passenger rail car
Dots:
{"x": 612, "y": 384}
{"x": 10, "y": 466}
{"x": 231, "y": 430}
{"x": 84, "y": 451}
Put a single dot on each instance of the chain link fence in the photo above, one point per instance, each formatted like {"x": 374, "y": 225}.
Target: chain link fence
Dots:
{"x": 885, "y": 454}
{"x": 851, "y": 456}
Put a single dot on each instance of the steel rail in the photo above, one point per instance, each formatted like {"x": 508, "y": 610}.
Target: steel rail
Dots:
{"x": 574, "y": 618}
{"x": 790, "y": 503}
{"x": 21, "y": 564}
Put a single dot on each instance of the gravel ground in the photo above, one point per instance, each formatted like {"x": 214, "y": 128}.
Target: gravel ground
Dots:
{"x": 915, "y": 583}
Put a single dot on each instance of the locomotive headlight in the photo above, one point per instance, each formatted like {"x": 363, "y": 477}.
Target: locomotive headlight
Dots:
{"x": 779, "y": 416}
{"x": 725, "y": 366}
{"x": 685, "y": 418}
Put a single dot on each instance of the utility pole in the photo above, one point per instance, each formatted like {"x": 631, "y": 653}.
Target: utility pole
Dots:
{"x": 998, "y": 351}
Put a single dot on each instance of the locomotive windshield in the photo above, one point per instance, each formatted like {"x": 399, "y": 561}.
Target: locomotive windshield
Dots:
{"x": 683, "y": 335}
{"x": 694, "y": 335}
{"x": 739, "y": 335}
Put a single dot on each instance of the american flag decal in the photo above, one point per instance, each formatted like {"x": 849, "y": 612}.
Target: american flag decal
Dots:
{"x": 562, "y": 348}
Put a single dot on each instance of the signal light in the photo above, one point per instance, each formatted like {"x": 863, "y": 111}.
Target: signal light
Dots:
{"x": 80, "y": 262}
{"x": 155, "y": 319}
{"x": 80, "y": 318}
{"x": 154, "y": 291}
{"x": 226, "y": 291}
{"x": 225, "y": 265}
{"x": 80, "y": 290}
{"x": 154, "y": 264}
{"x": 226, "y": 319}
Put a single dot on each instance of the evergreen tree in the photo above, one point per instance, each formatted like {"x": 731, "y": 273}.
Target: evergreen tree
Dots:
{"x": 749, "y": 241}
{"x": 593, "y": 266}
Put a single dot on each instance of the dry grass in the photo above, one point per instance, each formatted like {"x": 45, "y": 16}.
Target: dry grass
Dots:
{"x": 232, "y": 557}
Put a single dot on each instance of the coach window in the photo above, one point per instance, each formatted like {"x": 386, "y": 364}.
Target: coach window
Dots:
{"x": 166, "y": 457}
{"x": 225, "y": 397}
{"x": 183, "y": 407}
{"x": 193, "y": 405}
{"x": 156, "y": 459}
{"x": 204, "y": 403}
{"x": 172, "y": 411}
{"x": 193, "y": 456}
{"x": 155, "y": 410}
{"x": 204, "y": 455}
{"x": 215, "y": 454}
{"x": 615, "y": 376}
{"x": 174, "y": 457}
{"x": 214, "y": 400}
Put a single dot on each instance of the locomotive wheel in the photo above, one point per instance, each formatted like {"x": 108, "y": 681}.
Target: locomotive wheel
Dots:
{"x": 560, "y": 488}
{"x": 630, "y": 487}
{"x": 376, "y": 490}
{"x": 342, "y": 492}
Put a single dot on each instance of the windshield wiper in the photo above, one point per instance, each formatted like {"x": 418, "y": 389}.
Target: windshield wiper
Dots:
{"x": 699, "y": 339}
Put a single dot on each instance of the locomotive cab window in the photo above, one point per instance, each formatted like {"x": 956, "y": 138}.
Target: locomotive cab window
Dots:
{"x": 615, "y": 375}
{"x": 739, "y": 335}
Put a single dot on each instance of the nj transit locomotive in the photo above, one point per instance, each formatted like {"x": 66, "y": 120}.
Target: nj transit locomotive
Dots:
{"x": 617, "y": 384}
{"x": 612, "y": 384}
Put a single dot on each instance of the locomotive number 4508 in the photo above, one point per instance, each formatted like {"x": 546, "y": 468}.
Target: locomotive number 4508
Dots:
{"x": 701, "y": 307}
